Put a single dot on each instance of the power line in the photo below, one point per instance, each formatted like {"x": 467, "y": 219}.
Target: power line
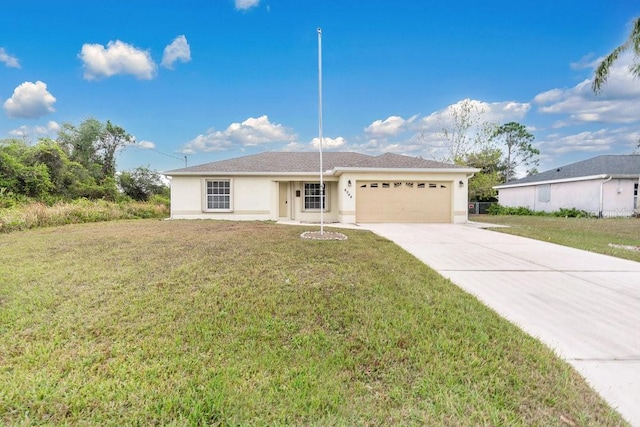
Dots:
{"x": 164, "y": 154}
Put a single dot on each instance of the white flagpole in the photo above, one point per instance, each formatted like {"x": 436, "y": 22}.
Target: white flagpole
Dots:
{"x": 322, "y": 192}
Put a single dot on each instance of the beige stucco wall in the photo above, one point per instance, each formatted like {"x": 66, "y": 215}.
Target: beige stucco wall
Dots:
{"x": 253, "y": 198}
{"x": 584, "y": 195}
{"x": 331, "y": 211}
{"x": 257, "y": 198}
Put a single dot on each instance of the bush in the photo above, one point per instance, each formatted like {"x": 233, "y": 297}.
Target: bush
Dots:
{"x": 158, "y": 199}
{"x": 142, "y": 183}
{"x": 571, "y": 213}
{"x": 497, "y": 209}
{"x": 9, "y": 199}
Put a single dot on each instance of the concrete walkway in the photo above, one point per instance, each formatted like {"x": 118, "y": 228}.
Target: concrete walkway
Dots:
{"x": 583, "y": 305}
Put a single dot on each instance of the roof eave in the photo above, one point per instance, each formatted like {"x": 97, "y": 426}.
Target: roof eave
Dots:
{"x": 552, "y": 181}
{"x": 341, "y": 170}
{"x": 332, "y": 172}
{"x": 221, "y": 173}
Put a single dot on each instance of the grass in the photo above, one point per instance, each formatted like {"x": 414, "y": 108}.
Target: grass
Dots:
{"x": 590, "y": 234}
{"x": 30, "y": 215}
{"x": 152, "y": 322}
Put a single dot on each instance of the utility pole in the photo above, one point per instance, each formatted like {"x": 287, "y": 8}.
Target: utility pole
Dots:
{"x": 322, "y": 192}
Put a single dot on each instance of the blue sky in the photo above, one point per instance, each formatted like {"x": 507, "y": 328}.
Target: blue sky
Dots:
{"x": 215, "y": 79}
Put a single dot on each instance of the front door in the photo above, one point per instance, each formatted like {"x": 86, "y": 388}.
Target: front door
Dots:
{"x": 283, "y": 200}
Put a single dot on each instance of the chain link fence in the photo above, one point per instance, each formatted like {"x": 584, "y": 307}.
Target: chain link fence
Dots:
{"x": 479, "y": 208}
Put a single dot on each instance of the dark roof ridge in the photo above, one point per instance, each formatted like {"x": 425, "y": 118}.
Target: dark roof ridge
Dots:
{"x": 309, "y": 161}
{"x": 603, "y": 164}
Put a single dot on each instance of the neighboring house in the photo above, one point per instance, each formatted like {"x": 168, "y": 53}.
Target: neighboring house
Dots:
{"x": 606, "y": 186}
{"x": 357, "y": 188}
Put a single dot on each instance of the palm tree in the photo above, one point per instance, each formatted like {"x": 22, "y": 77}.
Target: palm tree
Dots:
{"x": 602, "y": 72}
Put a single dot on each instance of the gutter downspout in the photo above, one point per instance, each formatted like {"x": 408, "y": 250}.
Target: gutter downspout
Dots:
{"x": 601, "y": 206}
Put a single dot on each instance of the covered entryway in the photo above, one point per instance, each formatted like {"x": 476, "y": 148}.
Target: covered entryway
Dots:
{"x": 406, "y": 201}
{"x": 283, "y": 200}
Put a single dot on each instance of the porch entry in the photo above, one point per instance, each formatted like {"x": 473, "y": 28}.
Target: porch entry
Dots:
{"x": 284, "y": 204}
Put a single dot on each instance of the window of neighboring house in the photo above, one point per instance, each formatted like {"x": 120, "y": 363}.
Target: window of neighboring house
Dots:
{"x": 635, "y": 195}
{"x": 314, "y": 196}
{"x": 218, "y": 195}
{"x": 544, "y": 193}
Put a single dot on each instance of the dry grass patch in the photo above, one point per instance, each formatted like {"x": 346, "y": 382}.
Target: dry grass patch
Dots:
{"x": 222, "y": 323}
{"x": 37, "y": 214}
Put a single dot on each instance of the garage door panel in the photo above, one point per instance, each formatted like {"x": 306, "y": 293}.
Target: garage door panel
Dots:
{"x": 417, "y": 201}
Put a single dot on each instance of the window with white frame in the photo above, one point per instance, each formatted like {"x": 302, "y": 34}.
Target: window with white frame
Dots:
{"x": 635, "y": 196}
{"x": 315, "y": 196}
{"x": 218, "y": 195}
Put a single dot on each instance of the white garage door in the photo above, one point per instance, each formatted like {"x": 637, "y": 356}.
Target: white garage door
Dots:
{"x": 406, "y": 201}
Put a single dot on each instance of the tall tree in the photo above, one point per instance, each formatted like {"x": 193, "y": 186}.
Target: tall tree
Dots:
{"x": 632, "y": 42}
{"x": 94, "y": 146}
{"x": 518, "y": 148}
{"x": 80, "y": 143}
{"x": 491, "y": 173}
{"x": 111, "y": 139}
{"x": 467, "y": 131}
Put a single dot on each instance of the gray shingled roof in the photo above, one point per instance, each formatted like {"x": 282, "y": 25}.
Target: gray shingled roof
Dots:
{"x": 309, "y": 162}
{"x": 616, "y": 165}
{"x": 396, "y": 161}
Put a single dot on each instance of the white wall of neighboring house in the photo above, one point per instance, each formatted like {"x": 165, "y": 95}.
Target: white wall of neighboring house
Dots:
{"x": 515, "y": 197}
{"x": 617, "y": 196}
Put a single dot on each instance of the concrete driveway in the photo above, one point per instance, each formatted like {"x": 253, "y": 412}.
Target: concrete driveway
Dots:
{"x": 583, "y": 305}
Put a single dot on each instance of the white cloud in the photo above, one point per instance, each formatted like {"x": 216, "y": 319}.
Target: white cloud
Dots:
{"x": 493, "y": 112}
{"x": 178, "y": 50}
{"x": 117, "y": 58}
{"x": 424, "y": 137}
{"x": 251, "y": 132}
{"x": 10, "y": 61}
{"x": 549, "y": 96}
{"x": 30, "y": 100}
{"x": 619, "y": 101}
{"x": 49, "y": 130}
{"x": 389, "y": 127}
{"x": 147, "y": 144}
{"x": 246, "y": 4}
{"x": 619, "y": 140}
{"x": 587, "y": 61}
{"x": 327, "y": 142}
{"x": 22, "y": 132}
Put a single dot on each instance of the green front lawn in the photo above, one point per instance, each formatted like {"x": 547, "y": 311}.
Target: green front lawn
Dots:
{"x": 218, "y": 323}
{"x": 591, "y": 234}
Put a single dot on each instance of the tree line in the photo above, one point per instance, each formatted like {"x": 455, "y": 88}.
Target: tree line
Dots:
{"x": 80, "y": 163}
{"x": 499, "y": 151}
